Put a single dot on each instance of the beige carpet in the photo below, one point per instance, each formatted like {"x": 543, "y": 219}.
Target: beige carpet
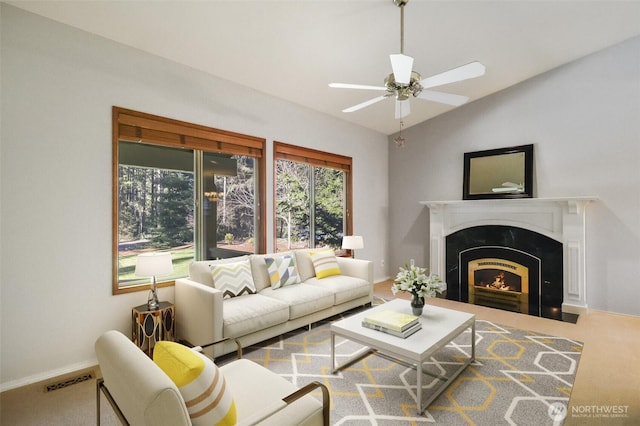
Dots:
{"x": 70, "y": 406}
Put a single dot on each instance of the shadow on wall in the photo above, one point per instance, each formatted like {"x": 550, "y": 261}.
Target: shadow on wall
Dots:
{"x": 414, "y": 243}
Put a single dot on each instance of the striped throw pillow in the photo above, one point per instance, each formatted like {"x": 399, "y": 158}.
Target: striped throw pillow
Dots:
{"x": 282, "y": 270}
{"x": 324, "y": 263}
{"x": 233, "y": 279}
{"x": 200, "y": 383}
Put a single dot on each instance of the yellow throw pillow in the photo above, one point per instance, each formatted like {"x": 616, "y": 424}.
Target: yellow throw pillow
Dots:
{"x": 324, "y": 263}
{"x": 200, "y": 382}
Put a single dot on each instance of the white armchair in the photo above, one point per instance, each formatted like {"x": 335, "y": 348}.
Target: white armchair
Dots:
{"x": 142, "y": 394}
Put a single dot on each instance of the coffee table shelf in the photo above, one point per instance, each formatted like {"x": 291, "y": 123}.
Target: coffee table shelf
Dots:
{"x": 440, "y": 326}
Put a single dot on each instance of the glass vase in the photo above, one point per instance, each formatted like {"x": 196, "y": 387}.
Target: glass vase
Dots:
{"x": 417, "y": 304}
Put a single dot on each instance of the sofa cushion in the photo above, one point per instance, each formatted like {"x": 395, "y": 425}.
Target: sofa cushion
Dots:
{"x": 302, "y": 299}
{"x": 304, "y": 264}
{"x": 282, "y": 270}
{"x": 250, "y": 313}
{"x": 233, "y": 279}
{"x": 324, "y": 263}
{"x": 259, "y": 271}
{"x": 344, "y": 287}
{"x": 200, "y": 382}
{"x": 200, "y": 271}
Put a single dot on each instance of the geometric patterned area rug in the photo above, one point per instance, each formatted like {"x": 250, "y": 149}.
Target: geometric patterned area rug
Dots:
{"x": 518, "y": 378}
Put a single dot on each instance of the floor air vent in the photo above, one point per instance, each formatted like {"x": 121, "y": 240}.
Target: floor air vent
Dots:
{"x": 70, "y": 381}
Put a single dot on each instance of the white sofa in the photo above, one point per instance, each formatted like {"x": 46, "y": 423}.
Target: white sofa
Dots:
{"x": 204, "y": 316}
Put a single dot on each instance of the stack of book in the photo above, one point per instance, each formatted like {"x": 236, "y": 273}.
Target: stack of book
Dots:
{"x": 394, "y": 323}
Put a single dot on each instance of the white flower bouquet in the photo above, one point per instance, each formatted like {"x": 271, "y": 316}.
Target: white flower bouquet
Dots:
{"x": 414, "y": 279}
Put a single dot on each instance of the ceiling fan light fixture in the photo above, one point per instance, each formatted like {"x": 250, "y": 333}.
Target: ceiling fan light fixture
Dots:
{"x": 402, "y": 66}
{"x": 402, "y": 92}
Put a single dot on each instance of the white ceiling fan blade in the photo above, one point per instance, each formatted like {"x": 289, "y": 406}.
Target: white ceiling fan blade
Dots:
{"x": 355, "y": 86}
{"x": 403, "y": 108}
{"x": 364, "y": 104}
{"x": 471, "y": 70}
{"x": 402, "y": 66}
{"x": 443, "y": 98}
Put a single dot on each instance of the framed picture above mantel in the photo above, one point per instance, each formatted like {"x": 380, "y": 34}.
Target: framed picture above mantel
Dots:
{"x": 498, "y": 173}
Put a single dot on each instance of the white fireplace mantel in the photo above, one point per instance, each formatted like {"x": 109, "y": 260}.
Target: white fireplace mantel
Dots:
{"x": 562, "y": 219}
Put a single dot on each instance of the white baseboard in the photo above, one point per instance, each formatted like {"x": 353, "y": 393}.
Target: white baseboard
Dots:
{"x": 47, "y": 375}
{"x": 615, "y": 313}
{"x": 574, "y": 309}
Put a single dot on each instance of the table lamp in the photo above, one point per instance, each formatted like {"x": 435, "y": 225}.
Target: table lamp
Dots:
{"x": 153, "y": 265}
{"x": 352, "y": 242}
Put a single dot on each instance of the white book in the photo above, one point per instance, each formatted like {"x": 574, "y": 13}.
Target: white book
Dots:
{"x": 404, "y": 334}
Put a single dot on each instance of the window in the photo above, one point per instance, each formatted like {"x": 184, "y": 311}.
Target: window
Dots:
{"x": 156, "y": 207}
{"x": 229, "y": 205}
{"x": 312, "y": 198}
{"x": 195, "y": 191}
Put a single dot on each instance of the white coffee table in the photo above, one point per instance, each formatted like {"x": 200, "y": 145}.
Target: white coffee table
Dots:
{"x": 439, "y": 327}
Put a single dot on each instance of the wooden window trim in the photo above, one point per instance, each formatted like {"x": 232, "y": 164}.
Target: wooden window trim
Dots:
{"x": 311, "y": 156}
{"x": 143, "y": 127}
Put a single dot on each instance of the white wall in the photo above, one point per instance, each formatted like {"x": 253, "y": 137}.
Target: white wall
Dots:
{"x": 584, "y": 121}
{"x": 58, "y": 87}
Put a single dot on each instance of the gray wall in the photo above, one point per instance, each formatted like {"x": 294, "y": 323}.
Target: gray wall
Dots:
{"x": 58, "y": 87}
{"x": 584, "y": 121}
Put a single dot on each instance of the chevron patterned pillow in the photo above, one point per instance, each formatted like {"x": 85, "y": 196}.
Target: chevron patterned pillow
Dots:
{"x": 233, "y": 279}
{"x": 282, "y": 271}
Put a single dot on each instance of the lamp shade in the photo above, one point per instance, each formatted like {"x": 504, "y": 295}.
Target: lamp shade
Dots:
{"x": 153, "y": 264}
{"x": 352, "y": 242}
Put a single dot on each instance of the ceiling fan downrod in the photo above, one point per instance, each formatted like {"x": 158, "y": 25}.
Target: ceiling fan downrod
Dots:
{"x": 400, "y": 4}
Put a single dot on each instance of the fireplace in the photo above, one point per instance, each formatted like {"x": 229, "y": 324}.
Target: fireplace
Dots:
{"x": 523, "y": 255}
{"x": 499, "y": 283}
{"x": 505, "y": 267}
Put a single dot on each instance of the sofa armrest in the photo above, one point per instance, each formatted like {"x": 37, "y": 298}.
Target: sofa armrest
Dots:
{"x": 202, "y": 347}
{"x": 358, "y": 268}
{"x": 198, "y": 313}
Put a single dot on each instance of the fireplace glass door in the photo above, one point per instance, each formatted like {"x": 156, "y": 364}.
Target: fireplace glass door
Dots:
{"x": 499, "y": 283}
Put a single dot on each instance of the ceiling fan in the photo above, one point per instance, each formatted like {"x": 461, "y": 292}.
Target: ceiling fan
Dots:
{"x": 404, "y": 82}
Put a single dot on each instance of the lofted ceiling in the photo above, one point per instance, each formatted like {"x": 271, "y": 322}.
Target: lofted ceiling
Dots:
{"x": 293, "y": 49}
